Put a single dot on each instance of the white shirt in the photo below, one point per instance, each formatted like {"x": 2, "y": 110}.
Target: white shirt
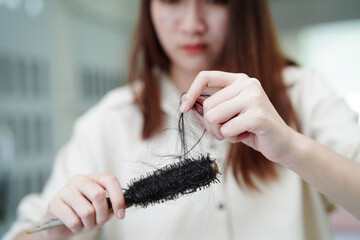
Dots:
{"x": 107, "y": 139}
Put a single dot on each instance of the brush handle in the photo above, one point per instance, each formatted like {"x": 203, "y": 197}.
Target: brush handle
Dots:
{"x": 56, "y": 222}
{"x": 49, "y": 224}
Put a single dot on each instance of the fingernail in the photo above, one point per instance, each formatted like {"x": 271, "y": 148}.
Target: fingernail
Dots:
{"x": 183, "y": 106}
{"x": 120, "y": 214}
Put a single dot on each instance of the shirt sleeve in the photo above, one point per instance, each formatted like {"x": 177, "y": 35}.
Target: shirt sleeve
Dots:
{"x": 324, "y": 115}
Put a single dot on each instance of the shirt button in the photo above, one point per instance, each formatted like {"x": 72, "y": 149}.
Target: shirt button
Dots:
{"x": 221, "y": 206}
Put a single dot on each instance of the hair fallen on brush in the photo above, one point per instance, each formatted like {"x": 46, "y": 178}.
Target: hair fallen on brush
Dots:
{"x": 172, "y": 181}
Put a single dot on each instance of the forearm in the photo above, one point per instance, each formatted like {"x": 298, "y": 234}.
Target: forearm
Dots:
{"x": 332, "y": 174}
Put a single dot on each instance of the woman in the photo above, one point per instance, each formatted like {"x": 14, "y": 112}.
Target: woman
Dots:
{"x": 262, "y": 194}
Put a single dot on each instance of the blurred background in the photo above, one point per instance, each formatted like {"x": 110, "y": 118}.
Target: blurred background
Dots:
{"x": 58, "y": 58}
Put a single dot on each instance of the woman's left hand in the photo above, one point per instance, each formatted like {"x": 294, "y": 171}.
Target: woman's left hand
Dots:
{"x": 241, "y": 112}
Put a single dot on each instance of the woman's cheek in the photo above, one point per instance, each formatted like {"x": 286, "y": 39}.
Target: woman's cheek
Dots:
{"x": 162, "y": 18}
{"x": 219, "y": 29}
{"x": 165, "y": 30}
{"x": 165, "y": 24}
{"x": 220, "y": 22}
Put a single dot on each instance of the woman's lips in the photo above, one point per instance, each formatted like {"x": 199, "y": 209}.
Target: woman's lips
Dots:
{"x": 194, "y": 48}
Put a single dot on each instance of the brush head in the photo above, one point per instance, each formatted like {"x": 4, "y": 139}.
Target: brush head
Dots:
{"x": 172, "y": 181}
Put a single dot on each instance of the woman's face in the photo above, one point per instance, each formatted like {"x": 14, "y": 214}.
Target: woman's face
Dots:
{"x": 191, "y": 32}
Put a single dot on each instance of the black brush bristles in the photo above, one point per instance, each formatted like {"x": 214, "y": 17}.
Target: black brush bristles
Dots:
{"x": 170, "y": 182}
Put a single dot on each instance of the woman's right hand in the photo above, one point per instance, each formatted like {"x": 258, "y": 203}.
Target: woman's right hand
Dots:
{"x": 82, "y": 206}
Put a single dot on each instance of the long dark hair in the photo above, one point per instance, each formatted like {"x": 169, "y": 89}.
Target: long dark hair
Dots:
{"x": 251, "y": 47}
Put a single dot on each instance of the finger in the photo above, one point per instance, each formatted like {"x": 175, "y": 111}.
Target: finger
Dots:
{"x": 212, "y": 79}
{"x": 239, "y": 137}
{"x": 96, "y": 194}
{"x": 236, "y": 126}
{"x": 59, "y": 209}
{"x": 224, "y": 111}
{"x": 225, "y": 94}
{"x": 81, "y": 206}
{"x": 113, "y": 187}
{"x": 214, "y": 129}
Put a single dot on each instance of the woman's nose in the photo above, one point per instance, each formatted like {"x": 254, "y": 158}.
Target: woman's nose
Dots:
{"x": 192, "y": 20}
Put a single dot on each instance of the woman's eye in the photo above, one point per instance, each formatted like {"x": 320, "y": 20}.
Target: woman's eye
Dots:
{"x": 170, "y": 1}
{"x": 217, "y": 1}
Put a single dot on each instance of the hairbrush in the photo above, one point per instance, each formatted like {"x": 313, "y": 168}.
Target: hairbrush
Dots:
{"x": 168, "y": 183}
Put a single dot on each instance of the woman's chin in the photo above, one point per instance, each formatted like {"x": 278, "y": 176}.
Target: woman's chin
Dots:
{"x": 194, "y": 67}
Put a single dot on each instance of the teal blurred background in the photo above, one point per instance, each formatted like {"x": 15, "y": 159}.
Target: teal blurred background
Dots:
{"x": 58, "y": 58}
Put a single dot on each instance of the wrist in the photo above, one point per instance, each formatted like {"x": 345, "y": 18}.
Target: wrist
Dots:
{"x": 299, "y": 146}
